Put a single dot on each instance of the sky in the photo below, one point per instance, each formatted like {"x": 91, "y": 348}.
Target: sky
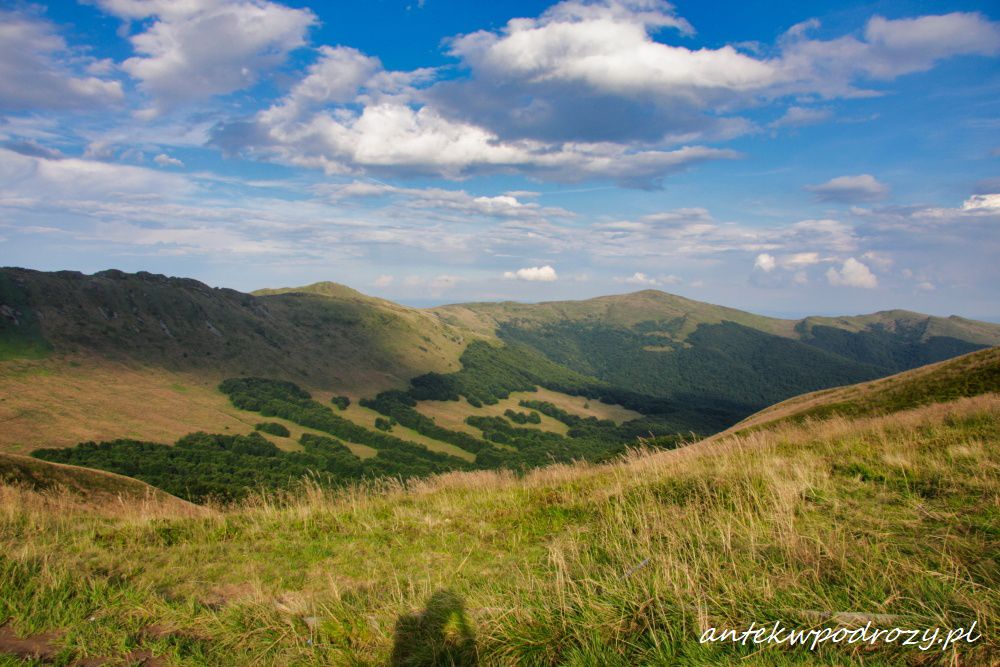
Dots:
{"x": 783, "y": 158}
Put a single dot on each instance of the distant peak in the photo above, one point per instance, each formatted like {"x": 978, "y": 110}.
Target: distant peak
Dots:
{"x": 323, "y": 288}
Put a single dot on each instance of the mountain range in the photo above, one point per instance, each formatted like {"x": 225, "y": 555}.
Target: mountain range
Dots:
{"x": 700, "y": 366}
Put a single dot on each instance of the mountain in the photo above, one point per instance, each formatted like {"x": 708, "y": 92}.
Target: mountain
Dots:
{"x": 665, "y": 345}
{"x": 139, "y": 356}
{"x": 877, "y": 511}
{"x": 337, "y": 338}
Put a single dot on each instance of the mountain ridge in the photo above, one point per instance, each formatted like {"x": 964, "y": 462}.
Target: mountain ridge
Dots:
{"x": 646, "y": 348}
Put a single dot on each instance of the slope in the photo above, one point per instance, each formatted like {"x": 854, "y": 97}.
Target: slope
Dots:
{"x": 348, "y": 342}
{"x": 887, "y": 520}
{"x": 668, "y": 346}
{"x": 969, "y": 375}
{"x": 85, "y": 488}
{"x": 70, "y": 344}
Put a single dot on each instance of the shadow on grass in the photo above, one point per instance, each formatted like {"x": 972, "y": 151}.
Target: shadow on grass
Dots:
{"x": 439, "y": 635}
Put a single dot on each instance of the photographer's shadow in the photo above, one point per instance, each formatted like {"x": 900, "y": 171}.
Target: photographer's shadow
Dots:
{"x": 439, "y": 635}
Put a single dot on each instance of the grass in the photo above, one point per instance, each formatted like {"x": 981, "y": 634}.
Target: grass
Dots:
{"x": 60, "y": 402}
{"x": 893, "y": 517}
{"x": 969, "y": 375}
{"x": 451, "y": 414}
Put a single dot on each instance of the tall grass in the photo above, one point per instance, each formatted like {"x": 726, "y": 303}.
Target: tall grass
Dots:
{"x": 890, "y": 518}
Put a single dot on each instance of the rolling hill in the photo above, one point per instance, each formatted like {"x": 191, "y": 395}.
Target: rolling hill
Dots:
{"x": 140, "y": 356}
{"x": 665, "y": 345}
{"x": 871, "y": 506}
{"x": 85, "y": 488}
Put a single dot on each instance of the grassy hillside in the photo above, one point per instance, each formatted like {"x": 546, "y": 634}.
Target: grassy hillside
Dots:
{"x": 137, "y": 356}
{"x": 344, "y": 341}
{"x": 666, "y": 346}
{"x": 84, "y": 488}
{"x": 839, "y": 521}
{"x": 970, "y": 375}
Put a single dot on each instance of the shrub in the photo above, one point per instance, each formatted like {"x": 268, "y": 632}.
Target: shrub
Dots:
{"x": 274, "y": 428}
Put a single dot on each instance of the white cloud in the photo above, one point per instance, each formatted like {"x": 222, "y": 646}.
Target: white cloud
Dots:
{"x": 879, "y": 260}
{"x": 165, "y": 160}
{"x": 71, "y": 178}
{"x": 384, "y": 281}
{"x": 639, "y": 278}
{"x": 38, "y": 71}
{"x": 796, "y": 116}
{"x": 765, "y": 262}
{"x": 801, "y": 259}
{"x": 589, "y": 61}
{"x": 985, "y": 202}
{"x": 394, "y": 136}
{"x": 534, "y": 273}
{"x": 852, "y": 274}
{"x": 766, "y": 268}
{"x": 889, "y": 49}
{"x": 440, "y": 199}
{"x": 195, "y": 49}
{"x": 607, "y": 46}
{"x": 862, "y": 187}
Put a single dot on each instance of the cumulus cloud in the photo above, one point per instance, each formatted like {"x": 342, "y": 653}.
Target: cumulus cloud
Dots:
{"x": 850, "y": 189}
{"x": 852, "y": 274}
{"x": 534, "y": 273}
{"x": 165, "y": 160}
{"x": 586, "y": 90}
{"x": 605, "y": 53}
{"x": 196, "y": 49}
{"x": 38, "y": 71}
{"x": 765, "y": 262}
{"x": 394, "y": 137}
{"x": 888, "y": 49}
{"x": 384, "y": 280}
{"x": 984, "y": 202}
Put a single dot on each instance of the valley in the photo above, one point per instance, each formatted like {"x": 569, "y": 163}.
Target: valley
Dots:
{"x": 137, "y": 361}
{"x": 807, "y": 513}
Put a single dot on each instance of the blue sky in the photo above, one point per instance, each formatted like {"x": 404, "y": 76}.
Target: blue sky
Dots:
{"x": 788, "y": 159}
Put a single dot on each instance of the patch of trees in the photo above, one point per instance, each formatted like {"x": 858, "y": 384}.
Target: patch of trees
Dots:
{"x": 401, "y": 406}
{"x": 274, "y": 428}
{"x": 522, "y": 417}
{"x": 568, "y": 418}
{"x": 274, "y": 398}
{"x": 198, "y": 467}
{"x": 342, "y": 402}
{"x": 203, "y": 466}
{"x": 490, "y": 373}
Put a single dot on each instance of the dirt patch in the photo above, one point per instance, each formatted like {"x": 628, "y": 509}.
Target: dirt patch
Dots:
{"x": 36, "y": 647}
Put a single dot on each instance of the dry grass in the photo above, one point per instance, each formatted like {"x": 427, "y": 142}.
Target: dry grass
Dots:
{"x": 886, "y": 517}
{"x": 452, "y": 414}
{"x": 366, "y": 417}
{"x": 61, "y": 402}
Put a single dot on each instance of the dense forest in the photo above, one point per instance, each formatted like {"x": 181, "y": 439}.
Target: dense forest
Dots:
{"x": 204, "y": 466}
